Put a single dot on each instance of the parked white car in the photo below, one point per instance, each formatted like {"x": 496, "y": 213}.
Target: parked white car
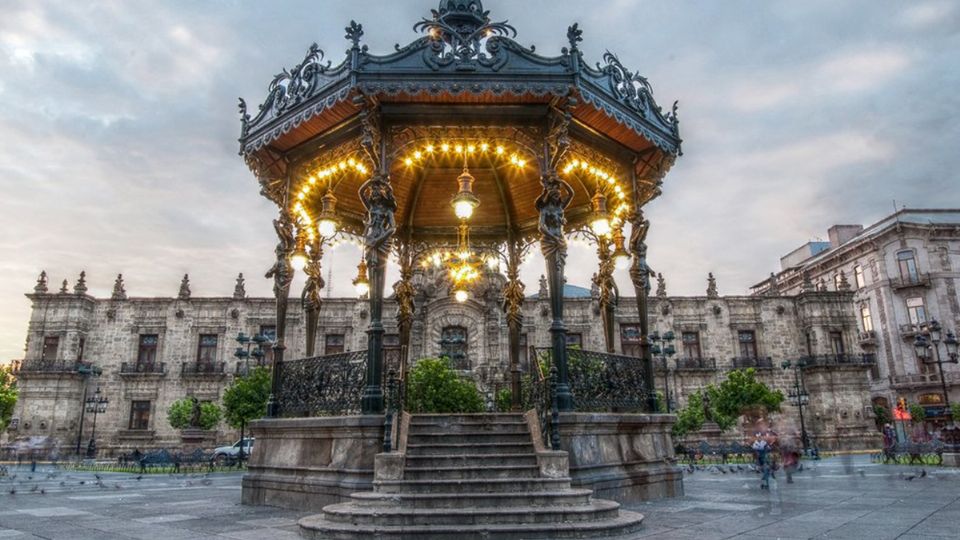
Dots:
{"x": 230, "y": 453}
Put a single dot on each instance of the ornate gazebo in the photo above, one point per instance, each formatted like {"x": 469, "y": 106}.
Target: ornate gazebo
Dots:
{"x": 462, "y": 147}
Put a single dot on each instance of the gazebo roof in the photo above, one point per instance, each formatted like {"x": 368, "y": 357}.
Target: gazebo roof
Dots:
{"x": 465, "y": 67}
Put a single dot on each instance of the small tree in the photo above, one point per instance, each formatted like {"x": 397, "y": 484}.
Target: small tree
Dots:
{"x": 738, "y": 393}
{"x": 434, "y": 387}
{"x": 180, "y": 414}
{"x": 691, "y": 417}
{"x": 8, "y": 395}
{"x": 881, "y": 416}
{"x": 917, "y": 413}
{"x": 246, "y": 399}
{"x": 955, "y": 412}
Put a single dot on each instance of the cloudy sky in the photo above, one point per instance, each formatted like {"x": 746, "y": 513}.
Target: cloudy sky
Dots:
{"x": 118, "y": 129}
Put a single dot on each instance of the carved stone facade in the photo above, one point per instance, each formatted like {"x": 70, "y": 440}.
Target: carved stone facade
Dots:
{"x": 143, "y": 375}
{"x": 902, "y": 271}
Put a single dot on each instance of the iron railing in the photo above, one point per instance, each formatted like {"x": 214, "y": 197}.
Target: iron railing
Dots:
{"x": 540, "y": 393}
{"x": 821, "y": 360}
{"x": 697, "y": 363}
{"x": 330, "y": 385}
{"x": 51, "y": 366}
{"x": 393, "y": 408}
{"x": 143, "y": 368}
{"x": 917, "y": 280}
{"x": 603, "y": 382}
{"x": 214, "y": 369}
{"x": 760, "y": 362}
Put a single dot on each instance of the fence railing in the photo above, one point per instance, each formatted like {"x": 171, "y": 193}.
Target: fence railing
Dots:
{"x": 50, "y": 366}
{"x": 328, "y": 385}
{"x": 144, "y": 368}
{"x": 821, "y": 360}
{"x": 202, "y": 368}
{"x": 761, "y": 362}
{"x": 540, "y": 393}
{"x": 603, "y": 382}
{"x": 697, "y": 363}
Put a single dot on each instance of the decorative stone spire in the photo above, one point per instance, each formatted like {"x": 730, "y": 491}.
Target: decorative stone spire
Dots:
{"x": 544, "y": 292}
{"x": 184, "y": 293}
{"x": 41, "y": 286}
{"x": 773, "y": 287}
{"x": 661, "y": 286}
{"x": 822, "y": 284}
{"x": 81, "y": 286}
{"x": 712, "y": 286}
{"x": 239, "y": 290}
{"x": 119, "y": 293}
{"x": 807, "y": 285}
{"x": 844, "y": 284}
{"x": 65, "y": 288}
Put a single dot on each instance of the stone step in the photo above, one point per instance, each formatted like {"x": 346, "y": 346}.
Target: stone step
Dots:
{"x": 317, "y": 527}
{"x": 468, "y": 437}
{"x": 467, "y": 471}
{"x": 471, "y": 485}
{"x": 438, "y": 449}
{"x": 351, "y": 513}
{"x": 428, "y": 501}
{"x": 479, "y": 418}
{"x": 427, "y": 428}
{"x": 471, "y": 460}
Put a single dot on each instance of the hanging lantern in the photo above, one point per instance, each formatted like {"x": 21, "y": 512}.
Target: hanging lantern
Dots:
{"x": 461, "y": 295}
{"x": 361, "y": 284}
{"x": 298, "y": 259}
{"x": 327, "y": 222}
{"x": 465, "y": 202}
{"x": 621, "y": 259}
{"x": 599, "y": 221}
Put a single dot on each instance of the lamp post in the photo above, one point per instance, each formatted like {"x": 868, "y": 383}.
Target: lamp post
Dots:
{"x": 662, "y": 347}
{"x": 244, "y": 352}
{"x": 799, "y": 398}
{"x": 96, "y": 404}
{"x": 85, "y": 371}
{"x": 929, "y": 339}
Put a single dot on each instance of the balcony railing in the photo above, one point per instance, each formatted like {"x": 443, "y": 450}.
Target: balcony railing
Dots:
{"x": 202, "y": 369}
{"x": 822, "y": 360}
{"x": 697, "y": 363}
{"x": 867, "y": 338}
{"x": 143, "y": 368}
{"x": 921, "y": 380}
{"x": 55, "y": 366}
{"x": 909, "y": 330}
{"x": 759, "y": 362}
{"x": 903, "y": 282}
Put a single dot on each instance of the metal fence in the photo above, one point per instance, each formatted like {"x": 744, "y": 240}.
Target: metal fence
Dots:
{"x": 328, "y": 385}
{"x": 603, "y": 382}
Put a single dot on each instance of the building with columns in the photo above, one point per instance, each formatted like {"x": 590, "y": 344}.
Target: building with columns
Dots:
{"x": 150, "y": 352}
{"x": 901, "y": 273}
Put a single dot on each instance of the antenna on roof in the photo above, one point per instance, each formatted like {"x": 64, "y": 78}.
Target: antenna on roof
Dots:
{"x": 329, "y": 282}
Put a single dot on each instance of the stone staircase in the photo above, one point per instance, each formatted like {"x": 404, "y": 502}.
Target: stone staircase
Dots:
{"x": 469, "y": 477}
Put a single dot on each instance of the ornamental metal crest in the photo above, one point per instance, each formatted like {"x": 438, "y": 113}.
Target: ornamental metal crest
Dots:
{"x": 461, "y": 33}
{"x": 290, "y": 88}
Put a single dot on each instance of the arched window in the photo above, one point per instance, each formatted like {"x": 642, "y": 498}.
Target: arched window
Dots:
{"x": 453, "y": 345}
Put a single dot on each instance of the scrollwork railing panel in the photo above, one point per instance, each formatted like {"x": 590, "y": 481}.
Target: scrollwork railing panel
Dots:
{"x": 602, "y": 382}
{"x": 330, "y": 385}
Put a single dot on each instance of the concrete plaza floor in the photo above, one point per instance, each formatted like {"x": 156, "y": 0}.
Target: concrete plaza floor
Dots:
{"x": 834, "y": 498}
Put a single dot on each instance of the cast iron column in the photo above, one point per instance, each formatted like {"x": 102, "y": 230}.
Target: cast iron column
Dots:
{"x": 513, "y": 303}
{"x": 282, "y": 274}
{"x": 640, "y": 276}
{"x": 378, "y": 199}
{"x": 608, "y": 291}
{"x": 403, "y": 292}
{"x": 310, "y": 298}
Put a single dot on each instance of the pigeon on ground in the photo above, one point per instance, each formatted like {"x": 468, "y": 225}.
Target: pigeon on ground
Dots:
{"x": 923, "y": 473}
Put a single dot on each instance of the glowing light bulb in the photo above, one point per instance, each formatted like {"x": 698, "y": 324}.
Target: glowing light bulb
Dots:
{"x": 463, "y": 209}
{"x": 362, "y": 288}
{"x": 327, "y": 228}
{"x": 417, "y": 155}
{"x": 460, "y": 295}
{"x": 445, "y": 147}
{"x": 484, "y": 146}
{"x": 600, "y": 226}
{"x": 499, "y": 149}
{"x": 408, "y": 162}
{"x": 429, "y": 148}
{"x": 298, "y": 261}
{"x": 622, "y": 261}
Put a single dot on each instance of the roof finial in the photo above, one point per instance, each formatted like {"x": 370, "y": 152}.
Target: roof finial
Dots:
{"x": 184, "y": 293}
{"x": 661, "y": 286}
{"x": 119, "y": 293}
{"x": 41, "y": 286}
{"x": 773, "y": 287}
{"x": 65, "y": 288}
{"x": 844, "y": 285}
{"x": 712, "y": 286}
{"x": 574, "y": 36}
{"x": 807, "y": 285}
{"x": 239, "y": 290}
{"x": 81, "y": 286}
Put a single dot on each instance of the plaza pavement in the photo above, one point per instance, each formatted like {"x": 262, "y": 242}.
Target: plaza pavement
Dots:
{"x": 841, "y": 498}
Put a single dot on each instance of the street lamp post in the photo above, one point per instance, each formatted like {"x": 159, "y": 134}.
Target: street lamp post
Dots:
{"x": 799, "y": 399}
{"x": 930, "y": 339}
{"x": 662, "y": 348}
{"x": 244, "y": 353}
{"x": 97, "y": 404}
{"x": 85, "y": 371}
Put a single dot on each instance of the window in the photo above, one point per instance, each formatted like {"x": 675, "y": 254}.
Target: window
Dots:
{"x": 453, "y": 345}
{"x": 748, "y": 343}
{"x": 866, "y": 319}
{"x": 916, "y": 310}
{"x": 574, "y": 340}
{"x": 334, "y": 343}
{"x": 836, "y": 342}
{"x": 147, "y": 351}
{"x": 80, "y": 347}
{"x": 207, "y": 349}
{"x": 630, "y": 339}
{"x": 908, "y": 267}
{"x": 50, "y": 346}
{"x": 268, "y": 331}
{"x": 691, "y": 344}
{"x": 139, "y": 415}
{"x": 858, "y": 276}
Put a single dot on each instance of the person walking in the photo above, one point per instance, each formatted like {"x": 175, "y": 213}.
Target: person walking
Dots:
{"x": 789, "y": 457}
{"x": 762, "y": 449}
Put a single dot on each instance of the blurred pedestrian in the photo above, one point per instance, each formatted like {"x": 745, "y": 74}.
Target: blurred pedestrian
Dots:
{"x": 790, "y": 457}
{"x": 762, "y": 450}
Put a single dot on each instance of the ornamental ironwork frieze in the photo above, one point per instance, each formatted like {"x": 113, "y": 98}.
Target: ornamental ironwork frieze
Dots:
{"x": 463, "y": 36}
{"x": 282, "y": 271}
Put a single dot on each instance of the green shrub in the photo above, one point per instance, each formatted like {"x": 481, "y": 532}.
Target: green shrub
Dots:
{"x": 434, "y": 387}
{"x": 881, "y": 416}
{"x": 246, "y": 399}
{"x": 690, "y": 418}
{"x": 917, "y": 413}
{"x": 955, "y": 412}
{"x": 180, "y": 414}
{"x": 504, "y": 400}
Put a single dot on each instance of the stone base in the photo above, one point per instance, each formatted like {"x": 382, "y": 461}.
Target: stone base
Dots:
{"x": 951, "y": 459}
{"x": 625, "y": 457}
{"x": 308, "y": 463}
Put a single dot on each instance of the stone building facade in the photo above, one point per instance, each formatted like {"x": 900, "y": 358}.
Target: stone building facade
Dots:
{"x": 150, "y": 352}
{"x": 902, "y": 272}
